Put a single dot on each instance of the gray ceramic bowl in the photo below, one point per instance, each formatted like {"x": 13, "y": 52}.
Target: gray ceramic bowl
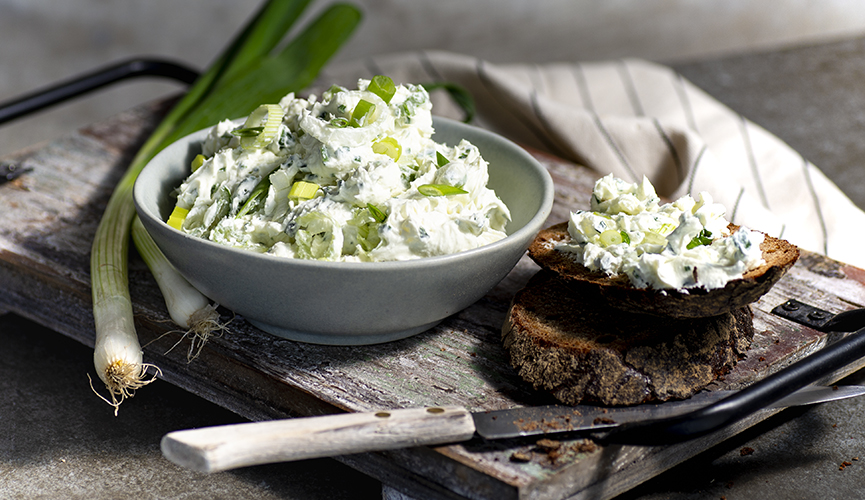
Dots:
{"x": 350, "y": 303}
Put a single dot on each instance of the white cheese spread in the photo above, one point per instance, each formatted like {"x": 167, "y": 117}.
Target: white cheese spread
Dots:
{"x": 355, "y": 176}
{"x": 680, "y": 245}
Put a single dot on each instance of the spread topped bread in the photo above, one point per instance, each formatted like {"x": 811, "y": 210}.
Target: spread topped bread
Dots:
{"x": 619, "y": 292}
{"x": 638, "y": 301}
{"x": 679, "y": 259}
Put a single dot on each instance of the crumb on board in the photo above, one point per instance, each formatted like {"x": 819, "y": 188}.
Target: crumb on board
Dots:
{"x": 549, "y": 444}
{"x": 547, "y": 452}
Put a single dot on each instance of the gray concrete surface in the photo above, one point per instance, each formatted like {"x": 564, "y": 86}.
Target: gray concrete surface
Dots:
{"x": 58, "y": 441}
{"x": 45, "y": 41}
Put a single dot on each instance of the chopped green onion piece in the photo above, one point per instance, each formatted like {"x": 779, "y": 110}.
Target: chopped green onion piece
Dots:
{"x": 439, "y": 190}
{"x": 654, "y": 238}
{"x": 339, "y": 122}
{"x": 258, "y": 195}
{"x": 383, "y": 87}
{"x": 666, "y": 229}
{"x": 361, "y": 113}
{"x": 178, "y": 215}
{"x": 441, "y": 160}
{"x": 376, "y": 212}
{"x": 303, "y": 190}
{"x": 335, "y": 89}
{"x": 197, "y": 162}
{"x": 611, "y": 237}
{"x": 388, "y": 146}
{"x": 704, "y": 238}
{"x": 625, "y": 238}
{"x": 266, "y": 119}
{"x": 243, "y": 132}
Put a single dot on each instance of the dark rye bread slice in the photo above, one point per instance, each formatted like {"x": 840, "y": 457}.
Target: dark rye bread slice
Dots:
{"x": 695, "y": 303}
{"x": 580, "y": 350}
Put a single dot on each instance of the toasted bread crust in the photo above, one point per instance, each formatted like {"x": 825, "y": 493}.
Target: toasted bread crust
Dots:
{"x": 695, "y": 303}
{"x": 579, "y": 349}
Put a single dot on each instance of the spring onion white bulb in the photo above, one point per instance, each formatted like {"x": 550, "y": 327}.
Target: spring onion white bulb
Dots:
{"x": 188, "y": 307}
{"x": 117, "y": 354}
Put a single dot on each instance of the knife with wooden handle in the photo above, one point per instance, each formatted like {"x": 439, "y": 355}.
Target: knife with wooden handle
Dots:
{"x": 213, "y": 449}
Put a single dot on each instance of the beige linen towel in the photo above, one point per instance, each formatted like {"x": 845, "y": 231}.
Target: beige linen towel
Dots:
{"x": 634, "y": 118}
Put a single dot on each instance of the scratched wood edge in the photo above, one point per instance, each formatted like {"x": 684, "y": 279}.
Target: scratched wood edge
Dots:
{"x": 41, "y": 291}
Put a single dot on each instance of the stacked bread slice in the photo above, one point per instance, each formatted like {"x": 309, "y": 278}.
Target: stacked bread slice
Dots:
{"x": 587, "y": 337}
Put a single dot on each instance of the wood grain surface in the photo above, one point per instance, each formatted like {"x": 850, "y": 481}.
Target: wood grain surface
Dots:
{"x": 47, "y": 221}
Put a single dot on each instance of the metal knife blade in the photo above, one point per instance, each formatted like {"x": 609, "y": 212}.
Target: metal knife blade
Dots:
{"x": 530, "y": 421}
{"x": 213, "y": 449}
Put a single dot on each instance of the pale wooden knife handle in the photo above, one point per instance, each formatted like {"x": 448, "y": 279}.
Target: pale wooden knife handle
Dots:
{"x": 213, "y": 449}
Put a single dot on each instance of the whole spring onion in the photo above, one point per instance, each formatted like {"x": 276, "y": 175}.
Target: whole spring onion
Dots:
{"x": 245, "y": 74}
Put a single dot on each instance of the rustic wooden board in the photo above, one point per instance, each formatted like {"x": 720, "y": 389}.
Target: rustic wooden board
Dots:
{"x": 49, "y": 216}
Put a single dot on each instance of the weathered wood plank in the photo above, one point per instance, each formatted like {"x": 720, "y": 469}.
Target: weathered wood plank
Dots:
{"x": 49, "y": 216}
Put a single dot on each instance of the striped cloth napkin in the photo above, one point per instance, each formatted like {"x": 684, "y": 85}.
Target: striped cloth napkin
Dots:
{"x": 634, "y": 118}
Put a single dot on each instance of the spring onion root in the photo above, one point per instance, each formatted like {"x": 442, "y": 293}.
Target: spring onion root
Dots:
{"x": 188, "y": 307}
{"x": 117, "y": 354}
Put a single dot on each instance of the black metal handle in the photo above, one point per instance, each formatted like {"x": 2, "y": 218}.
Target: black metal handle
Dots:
{"x": 747, "y": 401}
{"x": 94, "y": 80}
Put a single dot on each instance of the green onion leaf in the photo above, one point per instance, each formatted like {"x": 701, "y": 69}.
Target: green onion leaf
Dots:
{"x": 439, "y": 190}
{"x": 460, "y": 95}
{"x": 376, "y": 212}
{"x": 339, "y": 122}
{"x": 361, "y": 113}
{"x": 383, "y": 87}
{"x": 441, "y": 160}
{"x": 704, "y": 238}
